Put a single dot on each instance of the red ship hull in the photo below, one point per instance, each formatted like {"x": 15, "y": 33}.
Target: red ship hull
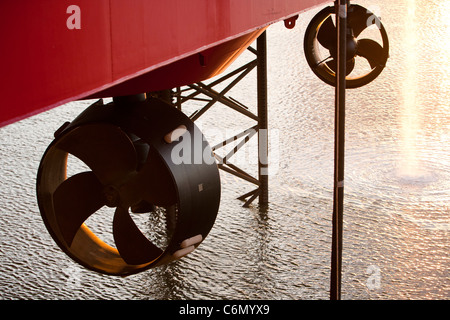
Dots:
{"x": 52, "y": 54}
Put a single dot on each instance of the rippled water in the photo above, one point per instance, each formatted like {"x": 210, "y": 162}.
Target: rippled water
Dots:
{"x": 397, "y": 186}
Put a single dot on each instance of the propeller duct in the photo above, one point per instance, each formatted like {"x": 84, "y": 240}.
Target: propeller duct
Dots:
{"x": 131, "y": 170}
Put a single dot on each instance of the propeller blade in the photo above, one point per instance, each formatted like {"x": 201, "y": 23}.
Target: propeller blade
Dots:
{"x": 359, "y": 18}
{"x": 327, "y": 34}
{"x": 349, "y": 67}
{"x": 74, "y": 201}
{"x": 105, "y": 148}
{"x": 372, "y": 51}
{"x": 133, "y": 246}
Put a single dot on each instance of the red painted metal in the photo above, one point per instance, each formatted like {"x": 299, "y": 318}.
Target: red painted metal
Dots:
{"x": 193, "y": 68}
{"x": 122, "y": 46}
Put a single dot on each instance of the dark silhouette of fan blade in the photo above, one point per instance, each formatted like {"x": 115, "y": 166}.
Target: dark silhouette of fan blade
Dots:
{"x": 106, "y": 149}
{"x": 133, "y": 246}
{"x": 372, "y": 51}
{"x": 327, "y": 34}
{"x": 349, "y": 67}
{"x": 359, "y": 18}
{"x": 74, "y": 201}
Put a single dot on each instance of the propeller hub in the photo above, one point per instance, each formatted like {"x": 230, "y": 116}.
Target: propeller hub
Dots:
{"x": 351, "y": 47}
{"x": 111, "y": 196}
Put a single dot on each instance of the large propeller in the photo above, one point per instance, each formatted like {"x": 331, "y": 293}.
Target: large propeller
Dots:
{"x": 321, "y": 33}
{"x": 133, "y": 173}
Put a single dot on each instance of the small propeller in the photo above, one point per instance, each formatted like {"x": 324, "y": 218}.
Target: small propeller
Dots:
{"x": 121, "y": 177}
{"x": 358, "y": 18}
{"x": 322, "y": 30}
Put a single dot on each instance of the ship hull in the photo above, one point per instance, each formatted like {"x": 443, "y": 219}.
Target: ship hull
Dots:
{"x": 54, "y": 52}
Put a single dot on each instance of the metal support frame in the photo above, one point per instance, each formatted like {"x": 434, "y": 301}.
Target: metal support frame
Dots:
{"x": 204, "y": 92}
{"x": 339, "y": 146}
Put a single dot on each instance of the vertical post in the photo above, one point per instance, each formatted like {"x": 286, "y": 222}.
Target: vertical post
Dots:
{"x": 178, "y": 101}
{"x": 263, "y": 136}
{"x": 339, "y": 146}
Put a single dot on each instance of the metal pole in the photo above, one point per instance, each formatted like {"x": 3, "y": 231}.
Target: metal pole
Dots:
{"x": 263, "y": 136}
{"x": 339, "y": 146}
